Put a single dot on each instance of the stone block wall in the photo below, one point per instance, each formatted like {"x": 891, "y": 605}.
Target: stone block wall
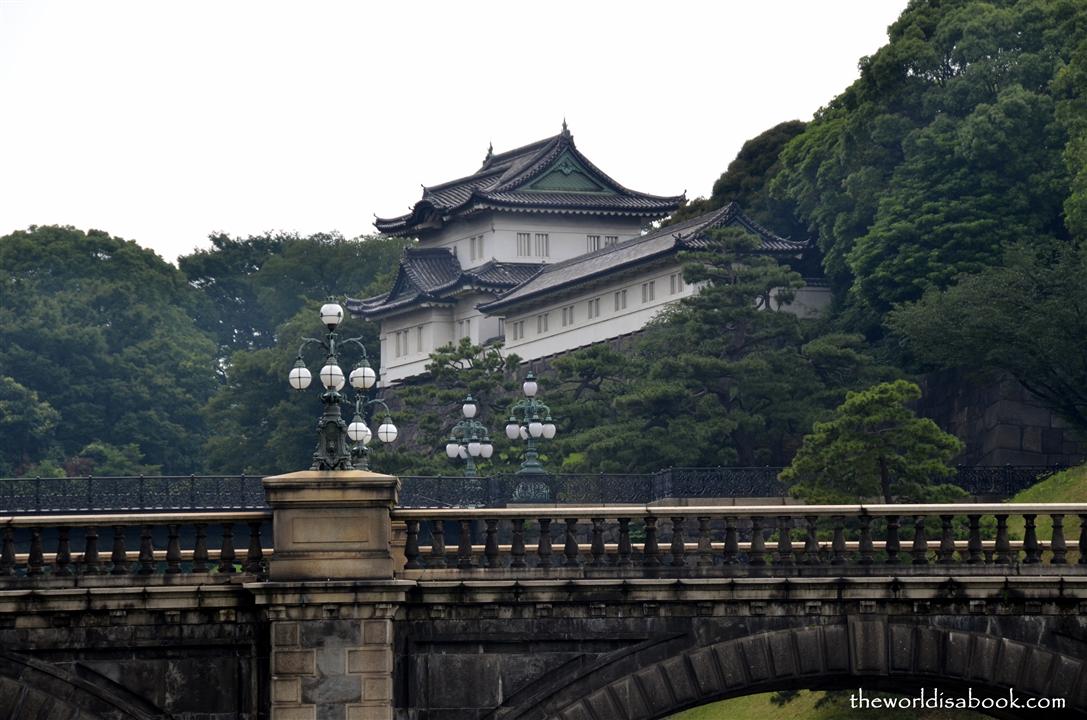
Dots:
{"x": 1000, "y": 421}
{"x": 335, "y": 666}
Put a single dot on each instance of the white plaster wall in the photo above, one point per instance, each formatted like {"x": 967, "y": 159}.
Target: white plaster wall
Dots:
{"x": 567, "y": 235}
{"x": 437, "y": 325}
{"x": 609, "y": 324}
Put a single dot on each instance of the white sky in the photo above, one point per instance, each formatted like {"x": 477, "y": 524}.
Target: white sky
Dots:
{"x": 164, "y": 122}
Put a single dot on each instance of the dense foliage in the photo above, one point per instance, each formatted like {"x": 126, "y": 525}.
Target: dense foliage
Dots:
{"x": 747, "y": 182}
{"x": 874, "y": 446}
{"x": 962, "y": 134}
{"x": 113, "y": 361}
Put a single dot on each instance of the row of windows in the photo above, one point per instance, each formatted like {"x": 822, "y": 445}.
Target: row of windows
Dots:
{"x": 526, "y": 247}
{"x": 592, "y": 242}
{"x": 675, "y": 281}
{"x": 592, "y": 307}
{"x": 403, "y": 341}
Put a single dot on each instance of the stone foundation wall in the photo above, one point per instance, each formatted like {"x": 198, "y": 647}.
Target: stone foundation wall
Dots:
{"x": 999, "y": 420}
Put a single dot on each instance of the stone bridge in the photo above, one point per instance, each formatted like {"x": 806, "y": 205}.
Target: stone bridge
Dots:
{"x": 338, "y": 605}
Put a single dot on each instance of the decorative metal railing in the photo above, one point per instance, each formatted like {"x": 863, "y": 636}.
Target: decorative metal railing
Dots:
{"x": 137, "y": 494}
{"x": 770, "y": 539}
{"x": 76, "y": 546}
{"x": 242, "y": 492}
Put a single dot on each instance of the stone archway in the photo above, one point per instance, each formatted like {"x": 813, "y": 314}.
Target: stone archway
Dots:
{"x": 860, "y": 652}
{"x": 32, "y": 688}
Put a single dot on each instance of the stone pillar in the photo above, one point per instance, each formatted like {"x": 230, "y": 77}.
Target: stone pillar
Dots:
{"x": 331, "y": 598}
{"x": 331, "y": 525}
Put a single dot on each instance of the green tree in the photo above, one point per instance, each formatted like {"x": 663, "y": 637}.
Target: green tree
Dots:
{"x": 26, "y": 427}
{"x": 874, "y": 446}
{"x": 961, "y": 134}
{"x": 432, "y": 407}
{"x": 1027, "y": 317}
{"x": 747, "y": 182}
{"x": 103, "y": 330}
{"x": 728, "y": 377}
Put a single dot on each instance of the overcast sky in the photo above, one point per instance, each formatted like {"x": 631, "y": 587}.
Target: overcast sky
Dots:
{"x": 165, "y": 122}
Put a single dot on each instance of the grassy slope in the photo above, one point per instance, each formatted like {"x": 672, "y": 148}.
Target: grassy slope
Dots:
{"x": 1067, "y": 486}
{"x": 759, "y": 707}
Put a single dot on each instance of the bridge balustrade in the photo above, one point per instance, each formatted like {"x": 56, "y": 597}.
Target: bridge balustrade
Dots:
{"x": 41, "y": 547}
{"x": 759, "y": 540}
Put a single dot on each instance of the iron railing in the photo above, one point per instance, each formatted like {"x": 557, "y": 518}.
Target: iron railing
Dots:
{"x": 244, "y": 492}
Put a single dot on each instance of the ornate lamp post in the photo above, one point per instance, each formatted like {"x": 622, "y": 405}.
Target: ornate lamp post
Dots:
{"x": 530, "y": 420}
{"x": 469, "y": 439}
{"x": 332, "y": 452}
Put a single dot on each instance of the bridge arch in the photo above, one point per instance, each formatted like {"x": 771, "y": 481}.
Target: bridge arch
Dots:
{"x": 657, "y": 679}
{"x": 32, "y": 688}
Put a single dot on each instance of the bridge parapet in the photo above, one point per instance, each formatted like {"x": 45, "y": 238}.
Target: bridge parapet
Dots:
{"x": 801, "y": 540}
{"x": 132, "y": 547}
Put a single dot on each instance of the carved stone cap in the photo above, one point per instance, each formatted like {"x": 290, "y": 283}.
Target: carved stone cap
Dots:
{"x": 331, "y": 488}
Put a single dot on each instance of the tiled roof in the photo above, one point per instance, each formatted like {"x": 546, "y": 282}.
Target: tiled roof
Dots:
{"x": 687, "y": 235}
{"x": 433, "y": 275}
{"x": 504, "y": 180}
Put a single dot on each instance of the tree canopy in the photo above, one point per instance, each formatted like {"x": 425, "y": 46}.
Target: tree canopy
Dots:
{"x": 874, "y": 446}
{"x": 962, "y": 134}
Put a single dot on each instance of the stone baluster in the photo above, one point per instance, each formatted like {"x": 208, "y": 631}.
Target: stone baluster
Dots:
{"x": 7, "y": 551}
{"x": 865, "y": 547}
{"x": 517, "y": 547}
{"x": 920, "y": 541}
{"x": 119, "y": 556}
{"x": 650, "y": 551}
{"x": 62, "y": 564}
{"x": 973, "y": 545}
{"x": 837, "y": 544}
{"x": 200, "y": 549}
{"x": 679, "y": 543}
{"x": 543, "y": 547}
{"x": 464, "y": 545}
{"x": 490, "y": 547}
{"x": 254, "y": 555}
{"x": 947, "y": 540}
{"x": 411, "y": 545}
{"x": 757, "y": 554}
{"x": 35, "y": 562}
{"x": 1003, "y": 544}
{"x": 90, "y": 560}
{"x": 623, "y": 557}
{"x": 437, "y": 544}
{"x": 705, "y": 546}
{"x": 732, "y": 542}
{"x": 226, "y": 554}
{"x": 570, "y": 547}
{"x": 1057, "y": 544}
{"x": 1082, "y": 540}
{"x": 785, "y": 541}
{"x": 173, "y": 549}
{"x": 599, "y": 559}
{"x": 811, "y": 542}
{"x": 893, "y": 544}
{"x": 1032, "y": 552}
{"x": 147, "y": 552}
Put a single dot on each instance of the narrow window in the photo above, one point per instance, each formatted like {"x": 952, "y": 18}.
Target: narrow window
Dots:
{"x": 543, "y": 245}
{"x": 501, "y": 327}
{"x": 592, "y": 242}
{"x": 419, "y": 339}
{"x": 524, "y": 244}
{"x": 610, "y": 240}
{"x": 645, "y": 292}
